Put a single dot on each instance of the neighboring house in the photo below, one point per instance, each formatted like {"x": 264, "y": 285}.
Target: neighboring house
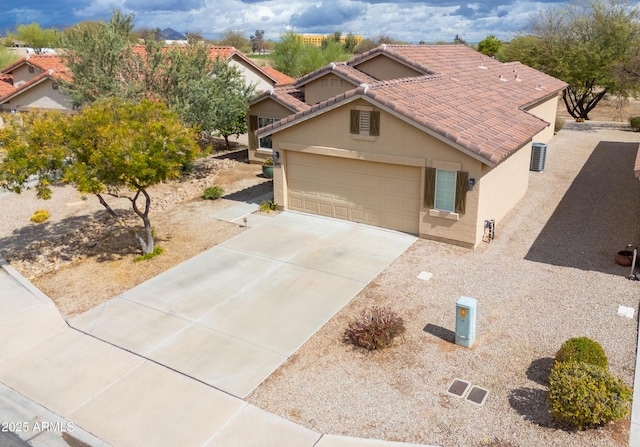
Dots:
{"x": 32, "y": 84}
{"x": 433, "y": 140}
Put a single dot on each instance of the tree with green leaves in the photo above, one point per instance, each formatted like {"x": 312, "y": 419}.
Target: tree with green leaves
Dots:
{"x": 584, "y": 44}
{"x": 217, "y": 104}
{"x": 490, "y": 45}
{"x": 100, "y": 59}
{"x": 6, "y": 57}
{"x": 35, "y": 37}
{"x": 257, "y": 41}
{"x": 110, "y": 149}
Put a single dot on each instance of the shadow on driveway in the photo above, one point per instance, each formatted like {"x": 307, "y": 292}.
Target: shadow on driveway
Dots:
{"x": 597, "y": 217}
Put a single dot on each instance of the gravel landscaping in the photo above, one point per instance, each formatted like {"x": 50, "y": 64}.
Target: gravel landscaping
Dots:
{"x": 547, "y": 276}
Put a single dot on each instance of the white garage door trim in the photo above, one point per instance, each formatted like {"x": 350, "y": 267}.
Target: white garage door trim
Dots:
{"x": 379, "y": 194}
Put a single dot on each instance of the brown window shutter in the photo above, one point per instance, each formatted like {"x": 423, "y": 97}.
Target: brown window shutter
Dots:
{"x": 355, "y": 121}
{"x": 253, "y": 126}
{"x": 462, "y": 181}
{"x": 374, "y": 129}
{"x": 429, "y": 187}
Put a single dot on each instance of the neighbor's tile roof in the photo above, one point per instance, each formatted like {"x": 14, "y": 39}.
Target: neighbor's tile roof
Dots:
{"x": 473, "y": 101}
{"x": 43, "y": 62}
{"x": 281, "y": 78}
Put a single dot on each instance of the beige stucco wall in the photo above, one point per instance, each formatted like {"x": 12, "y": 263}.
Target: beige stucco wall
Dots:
{"x": 502, "y": 187}
{"x": 401, "y": 143}
{"x": 545, "y": 110}
{"x": 41, "y": 96}
{"x": 328, "y": 86}
{"x": 21, "y": 74}
{"x": 258, "y": 80}
{"x": 384, "y": 68}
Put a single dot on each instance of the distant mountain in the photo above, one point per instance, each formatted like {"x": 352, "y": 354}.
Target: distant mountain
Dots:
{"x": 171, "y": 34}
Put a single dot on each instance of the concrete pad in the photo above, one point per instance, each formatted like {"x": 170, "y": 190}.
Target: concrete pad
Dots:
{"x": 199, "y": 284}
{"x": 236, "y": 211}
{"x": 345, "y": 441}
{"x": 281, "y": 313}
{"x": 129, "y": 325}
{"x": 253, "y": 220}
{"x": 284, "y": 236}
{"x": 66, "y": 370}
{"x": 15, "y": 297}
{"x": 154, "y": 406}
{"x": 359, "y": 252}
{"x": 28, "y": 328}
{"x": 217, "y": 359}
{"x": 254, "y": 427}
{"x": 45, "y": 428}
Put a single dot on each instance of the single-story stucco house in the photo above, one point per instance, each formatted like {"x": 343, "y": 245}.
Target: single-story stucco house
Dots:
{"x": 32, "y": 84}
{"x": 433, "y": 140}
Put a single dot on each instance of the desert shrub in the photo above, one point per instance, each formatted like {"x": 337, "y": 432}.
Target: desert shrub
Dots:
{"x": 268, "y": 205}
{"x": 374, "y": 328}
{"x": 212, "y": 193}
{"x": 582, "y": 350}
{"x": 583, "y": 395}
{"x": 634, "y": 122}
{"x": 559, "y": 125}
{"x": 157, "y": 251}
{"x": 40, "y": 216}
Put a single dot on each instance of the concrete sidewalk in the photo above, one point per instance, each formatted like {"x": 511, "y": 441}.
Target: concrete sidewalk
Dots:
{"x": 58, "y": 384}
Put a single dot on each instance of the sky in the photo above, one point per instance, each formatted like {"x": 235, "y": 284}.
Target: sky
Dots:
{"x": 406, "y": 20}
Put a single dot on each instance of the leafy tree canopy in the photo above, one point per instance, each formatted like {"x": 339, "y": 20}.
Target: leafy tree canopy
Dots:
{"x": 490, "y": 45}
{"x": 35, "y": 37}
{"x": 584, "y": 44}
{"x": 112, "y": 148}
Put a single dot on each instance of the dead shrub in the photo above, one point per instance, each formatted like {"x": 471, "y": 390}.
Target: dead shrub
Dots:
{"x": 374, "y": 328}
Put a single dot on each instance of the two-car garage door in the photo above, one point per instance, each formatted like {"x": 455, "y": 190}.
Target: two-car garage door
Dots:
{"x": 380, "y": 194}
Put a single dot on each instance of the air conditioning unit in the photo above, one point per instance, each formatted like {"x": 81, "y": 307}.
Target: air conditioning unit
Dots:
{"x": 538, "y": 156}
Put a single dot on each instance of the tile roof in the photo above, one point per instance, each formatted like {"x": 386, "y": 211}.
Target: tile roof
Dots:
{"x": 474, "y": 102}
{"x": 281, "y": 78}
{"x": 288, "y": 96}
{"x": 43, "y": 62}
{"x": 341, "y": 69}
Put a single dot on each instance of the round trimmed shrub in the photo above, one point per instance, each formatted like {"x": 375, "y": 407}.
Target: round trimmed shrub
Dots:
{"x": 583, "y": 395}
{"x": 634, "y": 122}
{"x": 582, "y": 350}
{"x": 374, "y": 328}
{"x": 40, "y": 216}
{"x": 212, "y": 193}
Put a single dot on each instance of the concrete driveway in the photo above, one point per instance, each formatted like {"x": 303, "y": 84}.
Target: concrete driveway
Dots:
{"x": 232, "y": 315}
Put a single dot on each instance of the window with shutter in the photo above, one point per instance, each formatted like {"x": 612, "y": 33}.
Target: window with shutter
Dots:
{"x": 445, "y": 190}
{"x": 365, "y": 122}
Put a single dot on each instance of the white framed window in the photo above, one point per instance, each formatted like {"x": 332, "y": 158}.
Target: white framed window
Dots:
{"x": 445, "y": 191}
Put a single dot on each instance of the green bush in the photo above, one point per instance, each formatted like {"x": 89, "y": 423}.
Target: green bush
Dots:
{"x": 268, "y": 205}
{"x": 584, "y": 395}
{"x": 559, "y": 125}
{"x": 157, "y": 251}
{"x": 40, "y": 216}
{"x": 212, "y": 193}
{"x": 582, "y": 350}
{"x": 374, "y": 328}
{"x": 634, "y": 122}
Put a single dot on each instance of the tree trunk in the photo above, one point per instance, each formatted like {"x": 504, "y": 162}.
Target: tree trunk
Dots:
{"x": 146, "y": 242}
{"x": 226, "y": 140}
{"x": 580, "y": 104}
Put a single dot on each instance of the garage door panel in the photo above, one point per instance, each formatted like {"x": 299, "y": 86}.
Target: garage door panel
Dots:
{"x": 361, "y": 191}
